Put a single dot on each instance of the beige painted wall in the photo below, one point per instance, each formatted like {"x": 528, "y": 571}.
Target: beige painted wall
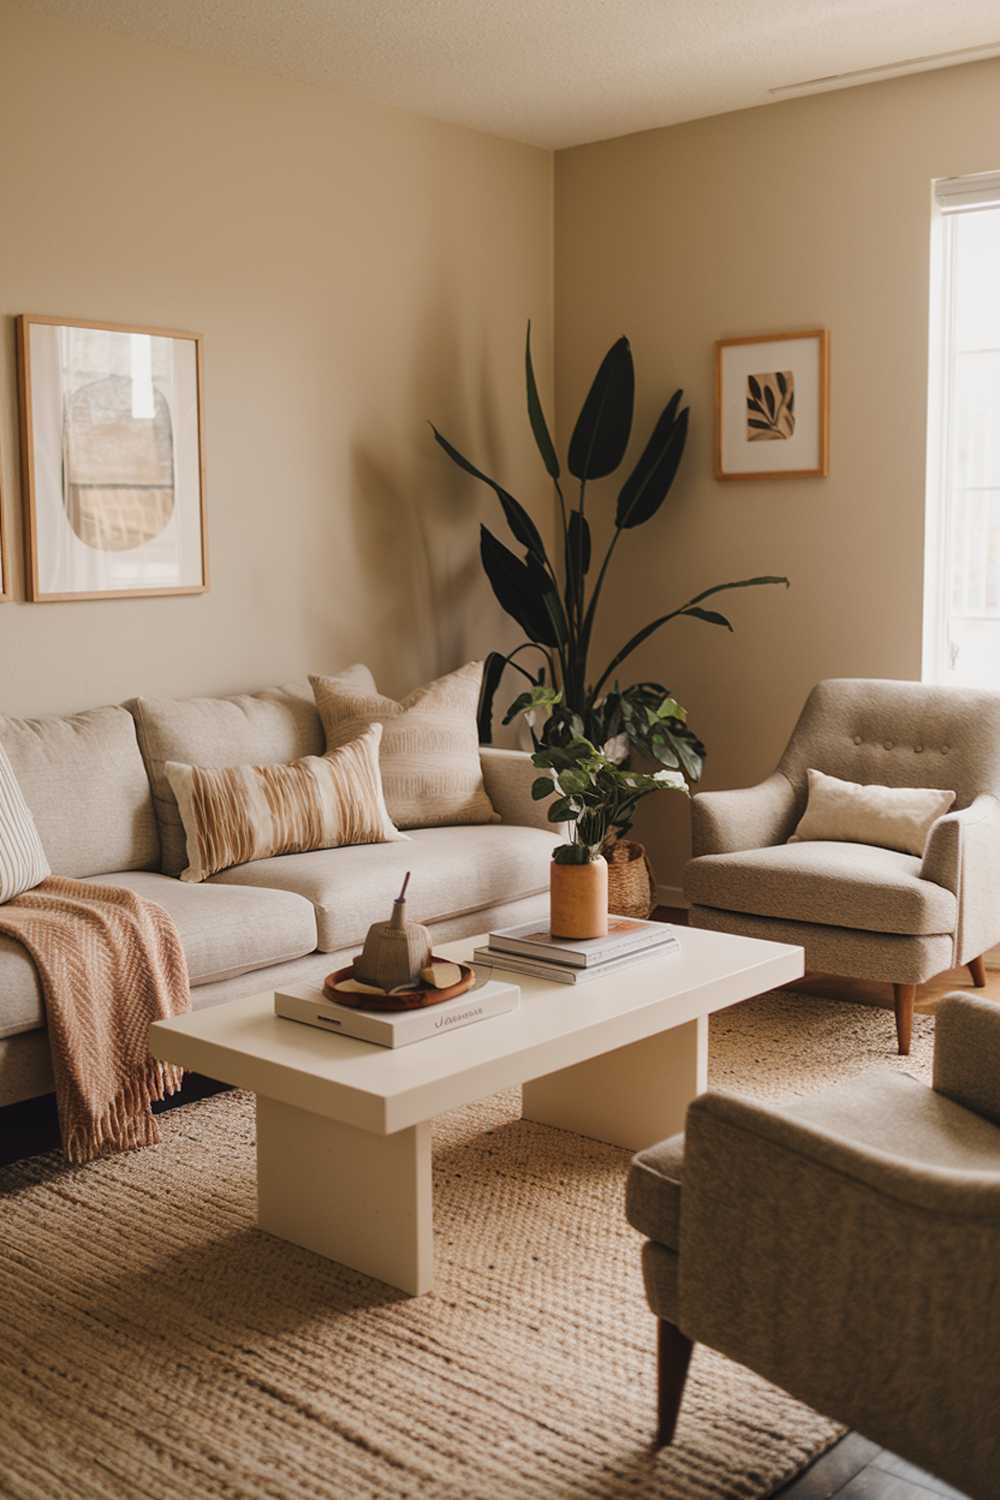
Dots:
{"x": 355, "y": 271}
{"x": 810, "y": 212}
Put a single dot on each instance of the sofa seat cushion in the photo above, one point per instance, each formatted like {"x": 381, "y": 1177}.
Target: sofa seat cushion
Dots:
{"x": 901, "y": 1116}
{"x": 228, "y": 931}
{"x": 835, "y": 884}
{"x": 888, "y": 1112}
{"x": 653, "y": 1192}
{"x": 225, "y": 932}
{"x": 455, "y": 870}
{"x": 21, "y": 1007}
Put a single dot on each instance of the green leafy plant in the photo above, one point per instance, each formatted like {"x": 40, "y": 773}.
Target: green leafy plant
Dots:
{"x": 558, "y": 611}
{"x": 593, "y": 795}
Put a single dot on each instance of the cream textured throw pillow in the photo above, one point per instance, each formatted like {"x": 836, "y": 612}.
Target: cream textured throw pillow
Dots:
{"x": 240, "y": 813}
{"x": 430, "y": 747}
{"x": 23, "y": 864}
{"x": 891, "y": 817}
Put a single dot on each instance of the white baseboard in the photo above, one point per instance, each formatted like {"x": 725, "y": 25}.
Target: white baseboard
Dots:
{"x": 670, "y": 895}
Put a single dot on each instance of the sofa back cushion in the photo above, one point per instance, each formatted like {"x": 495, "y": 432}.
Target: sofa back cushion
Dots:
{"x": 83, "y": 779}
{"x": 272, "y": 727}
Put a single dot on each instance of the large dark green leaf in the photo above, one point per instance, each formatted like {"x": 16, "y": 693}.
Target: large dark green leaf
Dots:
{"x": 646, "y": 488}
{"x": 523, "y": 527}
{"x": 520, "y": 589}
{"x": 685, "y": 609}
{"x": 577, "y": 557}
{"x": 536, "y": 416}
{"x": 550, "y": 599}
{"x": 605, "y": 422}
{"x": 710, "y": 616}
{"x": 493, "y": 670}
{"x": 741, "y": 583}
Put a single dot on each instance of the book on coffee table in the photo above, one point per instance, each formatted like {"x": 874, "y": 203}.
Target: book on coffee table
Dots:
{"x": 396, "y": 1028}
{"x": 626, "y": 936}
{"x": 516, "y": 963}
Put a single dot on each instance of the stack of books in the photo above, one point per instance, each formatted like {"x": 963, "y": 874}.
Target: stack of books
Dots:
{"x": 528, "y": 949}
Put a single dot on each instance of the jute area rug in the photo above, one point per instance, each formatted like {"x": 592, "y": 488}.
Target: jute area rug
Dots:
{"x": 154, "y": 1343}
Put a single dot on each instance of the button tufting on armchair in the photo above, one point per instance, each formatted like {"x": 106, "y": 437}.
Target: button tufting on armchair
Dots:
{"x": 857, "y": 910}
{"x": 847, "y": 1248}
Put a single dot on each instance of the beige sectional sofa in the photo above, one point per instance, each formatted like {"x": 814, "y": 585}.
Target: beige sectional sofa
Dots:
{"x": 95, "y": 785}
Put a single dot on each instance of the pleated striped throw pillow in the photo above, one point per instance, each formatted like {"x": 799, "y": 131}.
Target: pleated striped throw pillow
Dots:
{"x": 22, "y": 858}
{"x": 241, "y": 813}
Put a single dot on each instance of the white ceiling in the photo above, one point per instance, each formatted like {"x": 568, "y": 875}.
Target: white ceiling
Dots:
{"x": 561, "y": 72}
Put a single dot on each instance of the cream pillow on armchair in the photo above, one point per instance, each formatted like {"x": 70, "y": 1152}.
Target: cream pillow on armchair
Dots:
{"x": 430, "y": 743}
{"x": 891, "y": 817}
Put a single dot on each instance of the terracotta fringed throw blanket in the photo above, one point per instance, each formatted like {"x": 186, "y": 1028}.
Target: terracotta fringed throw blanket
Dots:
{"x": 109, "y": 964}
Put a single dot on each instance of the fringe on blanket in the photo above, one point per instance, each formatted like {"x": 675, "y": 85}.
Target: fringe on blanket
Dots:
{"x": 127, "y": 1123}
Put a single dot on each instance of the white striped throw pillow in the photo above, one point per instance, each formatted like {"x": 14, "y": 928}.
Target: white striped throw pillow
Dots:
{"x": 236, "y": 814}
{"x": 22, "y": 858}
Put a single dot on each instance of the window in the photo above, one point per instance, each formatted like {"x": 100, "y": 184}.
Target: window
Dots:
{"x": 962, "y": 581}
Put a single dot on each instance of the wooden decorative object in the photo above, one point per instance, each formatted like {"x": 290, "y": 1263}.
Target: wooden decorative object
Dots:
{"x": 578, "y": 899}
{"x": 394, "y": 951}
{"x": 418, "y": 998}
{"x": 630, "y": 881}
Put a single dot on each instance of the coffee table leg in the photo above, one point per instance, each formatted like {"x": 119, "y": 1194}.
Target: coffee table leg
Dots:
{"x": 631, "y": 1097}
{"x": 364, "y": 1200}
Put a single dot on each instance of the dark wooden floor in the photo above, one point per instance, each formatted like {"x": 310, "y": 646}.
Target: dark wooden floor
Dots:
{"x": 855, "y": 1469}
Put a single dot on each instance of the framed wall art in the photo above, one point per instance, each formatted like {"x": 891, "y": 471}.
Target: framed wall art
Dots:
{"x": 4, "y": 558}
{"x": 114, "y": 474}
{"x": 772, "y": 396}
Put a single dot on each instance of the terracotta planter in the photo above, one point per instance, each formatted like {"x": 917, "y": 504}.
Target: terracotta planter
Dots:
{"x": 578, "y": 899}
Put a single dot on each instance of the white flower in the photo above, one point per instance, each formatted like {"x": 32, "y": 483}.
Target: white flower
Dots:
{"x": 616, "y": 749}
{"x": 671, "y": 778}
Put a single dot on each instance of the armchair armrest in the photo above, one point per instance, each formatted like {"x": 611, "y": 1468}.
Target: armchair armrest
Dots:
{"x": 967, "y": 1053}
{"x": 749, "y": 818}
{"x": 963, "y": 855}
{"x": 839, "y": 1272}
{"x": 507, "y": 776}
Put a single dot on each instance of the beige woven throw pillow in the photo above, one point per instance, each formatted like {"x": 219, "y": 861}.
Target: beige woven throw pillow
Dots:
{"x": 891, "y": 817}
{"x": 23, "y": 864}
{"x": 430, "y": 746}
{"x": 240, "y": 813}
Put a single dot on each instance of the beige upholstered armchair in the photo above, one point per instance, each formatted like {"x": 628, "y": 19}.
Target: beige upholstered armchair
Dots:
{"x": 858, "y": 910}
{"x": 847, "y": 1248}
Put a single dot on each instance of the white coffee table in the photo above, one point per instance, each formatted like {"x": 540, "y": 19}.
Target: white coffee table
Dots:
{"x": 344, "y": 1127}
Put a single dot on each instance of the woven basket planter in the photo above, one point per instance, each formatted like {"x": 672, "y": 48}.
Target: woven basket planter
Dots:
{"x": 630, "y": 880}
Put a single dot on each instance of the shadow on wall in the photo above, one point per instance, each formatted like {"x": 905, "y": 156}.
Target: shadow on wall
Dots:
{"x": 413, "y": 520}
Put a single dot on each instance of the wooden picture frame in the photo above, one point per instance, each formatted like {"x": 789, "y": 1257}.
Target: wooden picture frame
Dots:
{"x": 765, "y": 414}
{"x": 5, "y": 580}
{"x": 137, "y": 511}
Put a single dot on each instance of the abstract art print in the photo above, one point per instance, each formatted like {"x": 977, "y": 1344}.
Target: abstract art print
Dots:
{"x": 771, "y": 406}
{"x": 113, "y": 463}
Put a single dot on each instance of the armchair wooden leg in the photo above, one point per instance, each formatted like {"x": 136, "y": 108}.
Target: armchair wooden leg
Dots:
{"x": 905, "y": 995}
{"x": 977, "y": 968}
{"x": 673, "y": 1357}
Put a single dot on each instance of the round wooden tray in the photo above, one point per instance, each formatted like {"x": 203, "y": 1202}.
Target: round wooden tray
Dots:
{"x": 415, "y": 999}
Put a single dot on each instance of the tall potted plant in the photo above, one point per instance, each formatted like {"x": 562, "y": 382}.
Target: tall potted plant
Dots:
{"x": 556, "y": 604}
